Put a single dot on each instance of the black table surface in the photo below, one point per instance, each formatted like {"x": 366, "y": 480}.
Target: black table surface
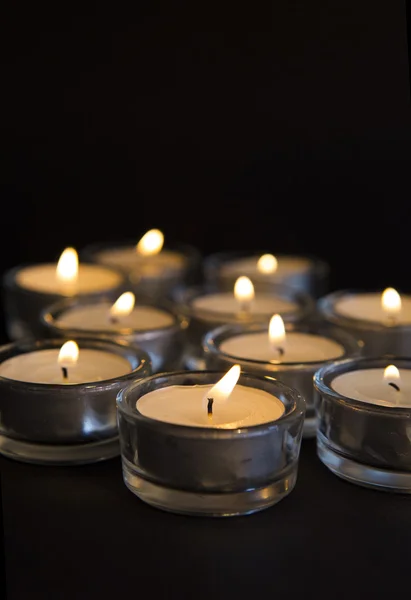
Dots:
{"x": 77, "y": 532}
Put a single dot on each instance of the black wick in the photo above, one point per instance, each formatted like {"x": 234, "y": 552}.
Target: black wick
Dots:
{"x": 65, "y": 372}
{"x": 394, "y": 385}
{"x": 113, "y": 320}
{"x": 210, "y": 407}
{"x": 280, "y": 351}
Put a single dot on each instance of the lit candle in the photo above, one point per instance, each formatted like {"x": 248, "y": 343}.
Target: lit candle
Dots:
{"x": 200, "y": 443}
{"x": 67, "y": 366}
{"x": 156, "y": 330}
{"x": 29, "y": 290}
{"x": 305, "y": 274}
{"x": 384, "y": 387}
{"x": 292, "y": 356}
{"x": 381, "y": 320}
{"x": 244, "y": 303}
{"x": 224, "y": 405}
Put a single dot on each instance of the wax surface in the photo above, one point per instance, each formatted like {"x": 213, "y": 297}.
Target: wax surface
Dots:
{"x": 287, "y": 266}
{"x": 298, "y": 347}
{"x": 127, "y": 258}
{"x": 368, "y": 385}
{"x": 41, "y": 366}
{"x": 91, "y": 278}
{"x": 184, "y": 405}
{"x": 97, "y": 318}
{"x": 225, "y": 303}
{"x": 368, "y": 307}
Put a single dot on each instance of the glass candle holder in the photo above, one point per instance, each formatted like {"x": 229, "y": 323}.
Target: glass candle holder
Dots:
{"x": 151, "y": 277}
{"x": 364, "y": 443}
{"x": 297, "y": 374}
{"x": 58, "y": 423}
{"x": 378, "y": 338}
{"x": 209, "y": 471}
{"x": 304, "y": 273}
{"x": 164, "y": 342}
{"x": 201, "y": 321}
{"x": 24, "y": 305}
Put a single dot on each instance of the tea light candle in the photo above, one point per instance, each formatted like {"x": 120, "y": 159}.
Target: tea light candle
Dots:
{"x": 364, "y": 412}
{"x": 292, "y": 356}
{"x": 185, "y": 405}
{"x": 28, "y": 290}
{"x": 381, "y": 321}
{"x": 66, "y": 366}
{"x": 157, "y": 331}
{"x": 195, "y": 445}
{"x": 57, "y": 401}
{"x": 306, "y": 274}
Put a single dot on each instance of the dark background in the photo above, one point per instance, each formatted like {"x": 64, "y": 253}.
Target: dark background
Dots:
{"x": 284, "y": 126}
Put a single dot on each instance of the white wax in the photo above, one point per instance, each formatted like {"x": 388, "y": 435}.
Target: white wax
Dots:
{"x": 183, "y": 405}
{"x": 127, "y": 258}
{"x": 288, "y": 266}
{"x": 91, "y": 278}
{"x": 41, "y": 366}
{"x": 298, "y": 348}
{"x": 96, "y": 317}
{"x": 368, "y": 385}
{"x": 368, "y": 307}
{"x": 225, "y": 303}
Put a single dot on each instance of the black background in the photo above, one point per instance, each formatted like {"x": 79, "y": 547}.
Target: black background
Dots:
{"x": 284, "y": 126}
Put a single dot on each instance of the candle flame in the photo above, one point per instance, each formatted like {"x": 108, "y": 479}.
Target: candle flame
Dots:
{"x": 244, "y": 290}
{"x": 276, "y": 330}
{"x": 391, "y": 301}
{"x": 123, "y": 305}
{"x": 67, "y": 266}
{"x": 267, "y": 263}
{"x": 221, "y": 391}
{"x": 391, "y": 373}
{"x": 151, "y": 243}
{"x": 68, "y": 354}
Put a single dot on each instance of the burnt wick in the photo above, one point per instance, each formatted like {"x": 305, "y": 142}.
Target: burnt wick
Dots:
{"x": 210, "y": 402}
{"x": 65, "y": 372}
{"x": 394, "y": 385}
{"x": 280, "y": 351}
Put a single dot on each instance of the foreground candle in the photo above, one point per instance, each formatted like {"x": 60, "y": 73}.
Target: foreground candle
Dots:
{"x": 191, "y": 443}
{"x": 293, "y": 356}
{"x": 364, "y": 414}
{"x": 381, "y": 320}
{"x": 57, "y": 399}
{"x": 306, "y": 274}
{"x": 152, "y": 270}
{"x": 157, "y": 331}
{"x": 29, "y": 290}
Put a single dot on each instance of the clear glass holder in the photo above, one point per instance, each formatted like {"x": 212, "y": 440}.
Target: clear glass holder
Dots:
{"x": 201, "y": 321}
{"x": 377, "y": 338}
{"x": 207, "y": 471}
{"x": 164, "y": 345}
{"x": 152, "y": 288}
{"x": 313, "y": 281}
{"x": 296, "y": 375}
{"x": 23, "y": 307}
{"x": 64, "y": 424}
{"x": 363, "y": 443}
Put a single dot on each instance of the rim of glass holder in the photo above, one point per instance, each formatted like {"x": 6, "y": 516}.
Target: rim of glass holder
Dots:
{"x": 131, "y": 413}
{"x": 213, "y": 339}
{"x": 319, "y": 267}
{"x": 10, "y": 281}
{"x": 191, "y": 254}
{"x": 326, "y": 307}
{"x": 185, "y": 296}
{"x": 51, "y": 313}
{"x": 139, "y": 360}
{"x": 326, "y": 374}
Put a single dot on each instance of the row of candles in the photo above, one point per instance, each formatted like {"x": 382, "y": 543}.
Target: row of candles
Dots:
{"x": 191, "y": 443}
